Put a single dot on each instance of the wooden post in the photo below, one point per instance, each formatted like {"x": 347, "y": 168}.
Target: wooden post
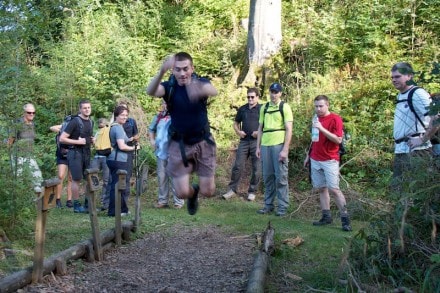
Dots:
{"x": 141, "y": 182}
{"x": 44, "y": 203}
{"x": 92, "y": 186}
{"x": 120, "y": 187}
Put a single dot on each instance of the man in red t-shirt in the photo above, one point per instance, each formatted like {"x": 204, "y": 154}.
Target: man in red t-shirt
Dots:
{"x": 324, "y": 159}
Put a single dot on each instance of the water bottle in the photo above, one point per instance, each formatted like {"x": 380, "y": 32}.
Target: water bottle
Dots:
{"x": 315, "y": 131}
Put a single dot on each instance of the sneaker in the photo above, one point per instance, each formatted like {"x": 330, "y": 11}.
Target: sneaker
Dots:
{"x": 80, "y": 209}
{"x": 58, "y": 203}
{"x": 161, "y": 205}
{"x": 69, "y": 204}
{"x": 251, "y": 197}
{"x": 125, "y": 214}
{"x": 323, "y": 221}
{"x": 229, "y": 194}
{"x": 346, "y": 224}
{"x": 178, "y": 206}
{"x": 264, "y": 211}
{"x": 193, "y": 203}
{"x": 281, "y": 213}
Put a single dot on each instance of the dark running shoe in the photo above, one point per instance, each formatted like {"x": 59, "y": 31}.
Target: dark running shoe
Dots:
{"x": 193, "y": 202}
{"x": 264, "y": 211}
{"x": 69, "y": 204}
{"x": 325, "y": 220}
{"x": 79, "y": 209}
{"x": 58, "y": 203}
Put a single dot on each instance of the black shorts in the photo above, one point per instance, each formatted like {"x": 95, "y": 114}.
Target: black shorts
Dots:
{"x": 78, "y": 161}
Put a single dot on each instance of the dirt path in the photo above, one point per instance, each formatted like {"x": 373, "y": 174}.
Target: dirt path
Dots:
{"x": 180, "y": 259}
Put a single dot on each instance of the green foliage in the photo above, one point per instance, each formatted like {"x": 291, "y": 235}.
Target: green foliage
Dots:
{"x": 54, "y": 55}
{"x": 16, "y": 194}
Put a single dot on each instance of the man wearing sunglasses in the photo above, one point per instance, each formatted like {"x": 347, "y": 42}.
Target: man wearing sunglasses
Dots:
{"x": 246, "y": 127}
{"x": 22, "y": 138}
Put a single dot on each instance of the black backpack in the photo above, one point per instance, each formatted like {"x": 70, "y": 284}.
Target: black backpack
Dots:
{"x": 280, "y": 109}
{"x": 411, "y": 106}
{"x": 61, "y": 147}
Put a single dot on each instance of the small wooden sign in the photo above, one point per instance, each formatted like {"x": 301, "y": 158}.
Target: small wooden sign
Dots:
{"x": 122, "y": 174}
{"x": 93, "y": 179}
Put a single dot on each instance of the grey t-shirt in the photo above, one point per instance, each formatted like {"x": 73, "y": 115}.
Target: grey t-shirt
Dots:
{"x": 117, "y": 132}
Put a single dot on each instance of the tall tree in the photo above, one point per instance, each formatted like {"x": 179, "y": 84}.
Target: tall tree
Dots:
{"x": 264, "y": 37}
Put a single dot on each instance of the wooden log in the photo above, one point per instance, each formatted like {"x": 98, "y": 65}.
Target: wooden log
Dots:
{"x": 261, "y": 262}
{"x": 126, "y": 231}
{"x": 60, "y": 267}
{"x": 258, "y": 273}
{"x": 17, "y": 280}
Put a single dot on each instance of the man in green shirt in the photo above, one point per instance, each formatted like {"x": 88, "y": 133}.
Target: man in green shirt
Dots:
{"x": 273, "y": 140}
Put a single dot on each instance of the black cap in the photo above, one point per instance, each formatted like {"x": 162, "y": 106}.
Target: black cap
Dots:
{"x": 276, "y": 87}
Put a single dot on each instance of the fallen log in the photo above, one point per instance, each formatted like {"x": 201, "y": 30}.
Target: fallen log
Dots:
{"x": 261, "y": 262}
{"x": 17, "y": 280}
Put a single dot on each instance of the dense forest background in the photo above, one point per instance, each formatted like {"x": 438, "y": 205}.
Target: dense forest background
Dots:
{"x": 53, "y": 53}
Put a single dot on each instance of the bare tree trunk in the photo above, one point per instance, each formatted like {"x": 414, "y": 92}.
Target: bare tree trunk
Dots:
{"x": 264, "y": 38}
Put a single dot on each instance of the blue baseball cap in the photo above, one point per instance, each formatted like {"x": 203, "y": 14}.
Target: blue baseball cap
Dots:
{"x": 276, "y": 87}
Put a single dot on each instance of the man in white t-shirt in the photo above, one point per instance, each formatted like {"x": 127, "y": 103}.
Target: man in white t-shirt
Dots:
{"x": 408, "y": 123}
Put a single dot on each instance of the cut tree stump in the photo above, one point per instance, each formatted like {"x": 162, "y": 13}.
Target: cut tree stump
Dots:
{"x": 261, "y": 262}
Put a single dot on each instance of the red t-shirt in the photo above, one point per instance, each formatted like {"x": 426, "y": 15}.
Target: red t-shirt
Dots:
{"x": 325, "y": 149}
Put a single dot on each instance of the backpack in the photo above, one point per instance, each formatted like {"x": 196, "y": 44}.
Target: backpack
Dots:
{"x": 435, "y": 139}
{"x": 411, "y": 106}
{"x": 280, "y": 109}
{"x": 62, "y": 148}
{"x": 102, "y": 143}
{"x": 342, "y": 145}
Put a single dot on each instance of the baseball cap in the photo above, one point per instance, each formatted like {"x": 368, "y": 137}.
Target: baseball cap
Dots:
{"x": 276, "y": 87}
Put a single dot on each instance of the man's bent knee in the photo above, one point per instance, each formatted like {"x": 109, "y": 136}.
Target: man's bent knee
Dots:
{"x": 207, "y": 191}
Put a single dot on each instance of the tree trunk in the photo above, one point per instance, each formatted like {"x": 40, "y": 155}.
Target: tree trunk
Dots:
{"x": 264, "y": 38}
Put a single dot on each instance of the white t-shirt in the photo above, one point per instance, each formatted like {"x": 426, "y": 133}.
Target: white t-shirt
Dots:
{"x": 406, "y": 123}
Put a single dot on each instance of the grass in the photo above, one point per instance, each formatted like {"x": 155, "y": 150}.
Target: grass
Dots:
{"x": 316, "y": 261}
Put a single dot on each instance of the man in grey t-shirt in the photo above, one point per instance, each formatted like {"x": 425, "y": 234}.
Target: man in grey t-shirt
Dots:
{"x": 22, "y": 139}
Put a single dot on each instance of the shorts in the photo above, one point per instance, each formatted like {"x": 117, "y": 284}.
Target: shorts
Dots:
{"x": 78, "y": 162}
{"x": 201, "y": 158}
{"x": 325, "y": 174}
{"x": 62, "y": 160}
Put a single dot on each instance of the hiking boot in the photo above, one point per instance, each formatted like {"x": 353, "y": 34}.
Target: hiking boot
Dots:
{"x": 193, "y": 203}
{"x": 251, "y": 196}
{"x": 78, "y": 208}
{"x": 69, "y": 204}
{"x": 58, "y": 203}
{"x": 325, "y": 220}
{"x": 346, "y": 224}
{"x": 229, "y": 194}
{"x": 264, "y": 211}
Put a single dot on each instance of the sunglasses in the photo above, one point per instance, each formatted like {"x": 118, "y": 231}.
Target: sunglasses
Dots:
{"x": 251, "y": 97}
{"x": 30, "y": 113}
